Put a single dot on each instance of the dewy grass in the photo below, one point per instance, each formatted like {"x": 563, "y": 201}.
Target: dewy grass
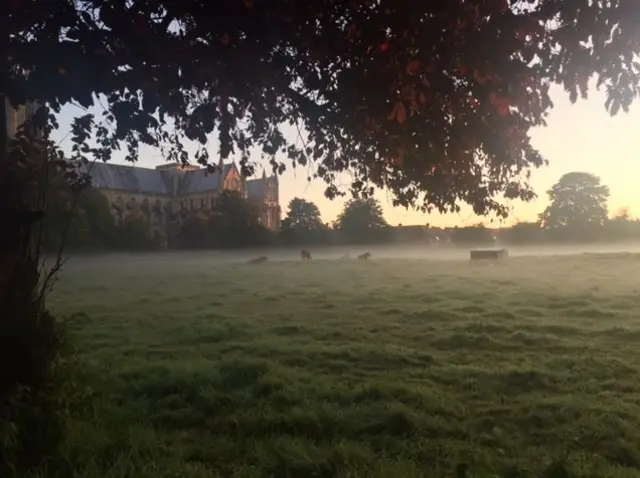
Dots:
{"x": 355, "y": 369}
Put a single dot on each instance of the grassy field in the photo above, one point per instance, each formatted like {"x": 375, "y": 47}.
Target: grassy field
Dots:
{"x": 392, "y": 368}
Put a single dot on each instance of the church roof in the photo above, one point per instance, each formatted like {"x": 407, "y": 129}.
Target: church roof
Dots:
{"x": 157, "y": 182}
{"x": 200, "y": 181}
{"x": 129, "y": 178}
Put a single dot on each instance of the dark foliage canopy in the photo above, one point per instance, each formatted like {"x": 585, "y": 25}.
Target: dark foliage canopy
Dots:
{"x": 433, "y": 100}
{"x": 235, "y": 212}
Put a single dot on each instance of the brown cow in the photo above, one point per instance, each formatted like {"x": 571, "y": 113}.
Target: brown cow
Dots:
{"x": 305, "y": 255}
{"x": 364, "y": 257}
{"x": 257, "y": 260}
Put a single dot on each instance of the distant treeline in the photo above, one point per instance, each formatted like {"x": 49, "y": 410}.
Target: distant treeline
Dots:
{"x": 523, "y": 233}
{"x": 85, "y": 222}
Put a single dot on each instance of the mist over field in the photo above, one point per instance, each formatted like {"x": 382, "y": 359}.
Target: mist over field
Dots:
{"x": 414, "y": 363}
{"x": 404, "y": 251}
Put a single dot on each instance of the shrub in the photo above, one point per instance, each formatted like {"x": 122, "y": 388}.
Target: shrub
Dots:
{"x": 31, "y": 407}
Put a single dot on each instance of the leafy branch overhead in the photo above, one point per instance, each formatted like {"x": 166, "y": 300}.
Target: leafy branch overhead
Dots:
{"x": 433, "y": 100}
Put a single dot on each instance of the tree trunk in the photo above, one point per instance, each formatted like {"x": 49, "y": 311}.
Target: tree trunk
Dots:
{"x": 29, "y": 342}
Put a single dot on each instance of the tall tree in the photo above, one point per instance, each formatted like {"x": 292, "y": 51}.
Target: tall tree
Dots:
{"x": 578, "y": 205}
{"x": 235, "y": 221}
{"x": 360, "y": 214}
{"x": 361, "y": 220}
{"x": 234, "y": 211}
{"x": 303, "y": 225}
{"x": 303, "y": 214}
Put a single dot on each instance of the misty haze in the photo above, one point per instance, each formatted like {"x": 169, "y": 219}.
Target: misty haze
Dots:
{"x": 404, "y": 252}
{"x": 416, "y": 350}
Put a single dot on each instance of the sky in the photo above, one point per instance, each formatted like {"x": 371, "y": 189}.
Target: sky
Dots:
{"x": 578, "y": 137}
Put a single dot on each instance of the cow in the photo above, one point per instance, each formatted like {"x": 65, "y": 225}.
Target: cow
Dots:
{"x": 305, "y": 255}
{"x": 364, "y": 257}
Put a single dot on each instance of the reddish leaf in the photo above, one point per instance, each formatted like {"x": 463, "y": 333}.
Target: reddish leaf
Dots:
{"x": 414, "y": 67}
{"x": 479, "y": 77}
{"x": 399, "y": 113}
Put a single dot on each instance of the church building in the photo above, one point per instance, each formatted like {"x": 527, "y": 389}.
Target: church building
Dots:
{"x": 171, "y": 190}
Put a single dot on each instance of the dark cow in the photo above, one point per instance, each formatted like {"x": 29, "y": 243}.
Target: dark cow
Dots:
{"x": 305, "y": 255}
{"x": 364, "y": 257}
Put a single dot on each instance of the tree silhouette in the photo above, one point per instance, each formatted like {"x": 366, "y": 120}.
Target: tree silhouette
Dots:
{"x": 578, "y": 205}
{"x": 303, "y": 215}
{"x": 235, "y": 223}
{"x": 361, "y": 214}
{"x": 88, "y": 225}
{"x": 523, "y": 233}
{"x": 622, "y": 226}
{"x": 361, "y": 220}
{"x": 195, "y": 232}
{"x": 303, "y": 225}
{"x": 233, "y": 211}
{"x": 432, "y": 100}
{"x": 477, "y": 234}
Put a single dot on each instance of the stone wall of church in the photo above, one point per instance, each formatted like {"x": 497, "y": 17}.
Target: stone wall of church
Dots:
{"x": 234, "y": 181}
{"x": 158, "y": 211}
{"x": 153, "y": 209}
